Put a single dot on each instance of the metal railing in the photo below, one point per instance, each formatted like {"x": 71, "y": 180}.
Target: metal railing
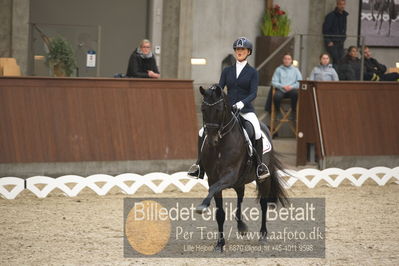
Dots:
{"x": 360, "y": 43}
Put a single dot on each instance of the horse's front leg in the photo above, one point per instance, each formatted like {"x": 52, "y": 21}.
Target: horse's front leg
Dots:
{"x": 220, "y": 217}
{"x": 241, "y": 226}
{"x": 263, "y": 229}
{"x": 377, "y": 18}
{"x": 224, "y": 182}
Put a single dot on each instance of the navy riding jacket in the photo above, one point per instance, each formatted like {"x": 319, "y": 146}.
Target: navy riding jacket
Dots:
{"x": 244, "y": 88}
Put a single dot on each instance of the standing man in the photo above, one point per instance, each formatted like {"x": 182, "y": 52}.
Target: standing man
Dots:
{"x": 335, "y": 24}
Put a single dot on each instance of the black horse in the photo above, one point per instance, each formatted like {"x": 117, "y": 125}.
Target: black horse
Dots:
{"x": 227, "y": 163}
{"x": 380, "y": 7}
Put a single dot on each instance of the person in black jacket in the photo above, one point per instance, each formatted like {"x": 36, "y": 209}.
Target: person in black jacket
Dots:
{"x": 142, "y": 62}
{"x": 349, "y": 66}
{"x": 375, "y": 71}
{"x": 335, "y": 24}
{"x": 241, "y": 81}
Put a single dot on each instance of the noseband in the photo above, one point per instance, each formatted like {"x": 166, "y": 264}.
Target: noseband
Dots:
{"x": 220, "y": 127}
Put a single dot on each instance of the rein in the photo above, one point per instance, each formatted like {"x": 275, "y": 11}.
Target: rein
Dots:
{"x": 221, "y": 127}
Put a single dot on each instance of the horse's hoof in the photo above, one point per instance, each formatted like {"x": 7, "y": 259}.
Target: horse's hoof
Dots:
{"x": 263, "y": 237}
{"x": 201, "y": 208}
{"x": 219, "y": 245}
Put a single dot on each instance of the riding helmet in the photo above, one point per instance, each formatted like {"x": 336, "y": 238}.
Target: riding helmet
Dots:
{"x": 243, "y": 42}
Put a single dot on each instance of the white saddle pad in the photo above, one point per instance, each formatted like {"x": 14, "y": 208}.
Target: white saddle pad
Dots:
{"x": 267, "y": 146}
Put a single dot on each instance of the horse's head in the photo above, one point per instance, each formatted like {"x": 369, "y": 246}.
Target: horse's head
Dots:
{"x": 214, "y": 109}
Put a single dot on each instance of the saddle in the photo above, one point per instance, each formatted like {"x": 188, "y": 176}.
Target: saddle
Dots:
{"x": 249, "y": 133}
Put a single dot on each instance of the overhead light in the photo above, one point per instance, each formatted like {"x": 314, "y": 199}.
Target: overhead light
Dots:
{"x": 295, "y": 63}
{"x": 397, "y": 64}
{"x": 39, "y": 57}
{"x": 198, "y": 61}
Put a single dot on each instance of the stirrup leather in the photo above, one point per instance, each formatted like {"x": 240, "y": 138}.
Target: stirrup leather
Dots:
{"x": 262, "y": 171}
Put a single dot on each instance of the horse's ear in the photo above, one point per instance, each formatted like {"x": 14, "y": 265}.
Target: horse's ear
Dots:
{"x": 202, "y": 90}
{"x": 218, "y": 90}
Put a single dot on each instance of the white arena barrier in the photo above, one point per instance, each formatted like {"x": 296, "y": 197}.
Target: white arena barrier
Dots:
{"x": 310, "y": 177}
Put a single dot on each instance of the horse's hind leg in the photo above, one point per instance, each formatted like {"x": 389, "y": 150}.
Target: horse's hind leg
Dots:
{"x": 241, "y": 226}
{"x": 220, "y": 217}
{"x": 372, "y": 9}
{"x": 263, "y": 229}
{"x": 381, "y": 20}
{"x": 379, "y": 28}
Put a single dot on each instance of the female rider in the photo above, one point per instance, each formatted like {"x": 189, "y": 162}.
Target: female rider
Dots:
{"x": 241, "y": 80}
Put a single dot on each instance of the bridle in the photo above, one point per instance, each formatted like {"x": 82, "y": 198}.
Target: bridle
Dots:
{"x": 221, "y": 127}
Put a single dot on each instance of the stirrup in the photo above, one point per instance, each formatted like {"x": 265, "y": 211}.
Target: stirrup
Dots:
{"x": 194, "y": 171}
{"x": 262, "y": 172}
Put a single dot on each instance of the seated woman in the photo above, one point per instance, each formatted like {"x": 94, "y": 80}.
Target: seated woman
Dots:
{"x": 142, "y": 62}
{"x": 285, "y": 80}
{"x": 349, "y": 66}
{"x": 324, "y": 71}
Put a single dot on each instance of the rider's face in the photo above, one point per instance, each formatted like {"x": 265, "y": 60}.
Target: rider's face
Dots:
{"x": 241, "y": 54}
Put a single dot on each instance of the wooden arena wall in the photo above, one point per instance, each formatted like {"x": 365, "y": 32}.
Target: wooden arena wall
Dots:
{"x": 96, "y": 119}
{"x": 356, "y": 119}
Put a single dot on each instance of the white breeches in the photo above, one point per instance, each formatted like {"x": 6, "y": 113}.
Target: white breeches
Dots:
{"x": 251, "y": 117}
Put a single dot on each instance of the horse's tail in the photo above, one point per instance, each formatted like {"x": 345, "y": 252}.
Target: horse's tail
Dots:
{"x": 273, "y": 187}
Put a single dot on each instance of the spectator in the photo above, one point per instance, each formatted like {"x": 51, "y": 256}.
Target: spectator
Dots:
{"x": 142, "y": 62}
{"x": 375, "y": 71}
{"x": 324, "y": 71}
{"x": 335, "y": 24}
{"x": 285, "y": 80}
{"x": 348, "y": 67}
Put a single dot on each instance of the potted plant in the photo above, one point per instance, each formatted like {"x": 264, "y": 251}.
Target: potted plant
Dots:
{"x": 275, "y": 28}
{"x": 275, "y": 22}
{"x": 60, "y": 57}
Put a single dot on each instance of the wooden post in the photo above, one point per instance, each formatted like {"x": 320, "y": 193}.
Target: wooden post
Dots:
{"x": 268, "y": 4}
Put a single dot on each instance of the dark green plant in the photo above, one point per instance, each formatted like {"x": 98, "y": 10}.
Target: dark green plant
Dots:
{"x": 61, "y": 53}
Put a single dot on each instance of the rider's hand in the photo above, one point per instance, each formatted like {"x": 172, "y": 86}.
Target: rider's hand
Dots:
{"x": 238, "y": 105}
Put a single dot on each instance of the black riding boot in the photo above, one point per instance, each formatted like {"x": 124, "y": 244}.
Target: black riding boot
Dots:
{"x": 196, "y": 169}
{"x": 262, "y": 171}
